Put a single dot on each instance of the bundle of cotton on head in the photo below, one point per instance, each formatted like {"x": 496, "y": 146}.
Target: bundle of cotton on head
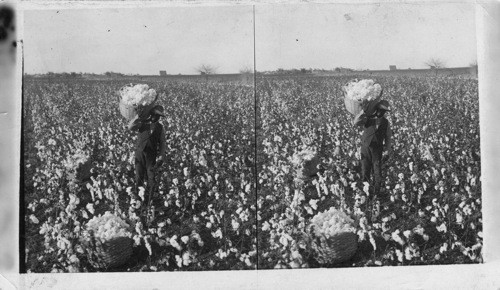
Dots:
{"x": 332, "y": 222}
{"x": 362, "y": 90}
{"x": 137, "y": 95}
{"x": 108, "y": 226}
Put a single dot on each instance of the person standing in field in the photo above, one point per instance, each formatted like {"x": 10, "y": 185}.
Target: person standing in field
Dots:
{"x": 376, "y": 139}
{"x": 151, "y": 145}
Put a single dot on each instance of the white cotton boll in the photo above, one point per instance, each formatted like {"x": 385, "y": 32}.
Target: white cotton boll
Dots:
{"x": 34, "y": 219}
{"x": 442, "y": 228}
{"x": 141, "y": 192}
{"x": 173, "y": 242}
{"x": 148, "y": 247}
{"x": 314, "y": 203}
{"x": 395, "y": 237}
{"x": 218, "y": 234}
{"x": 178, "y": 261}
{"x": 186, "y": 259}
{"x": 408, "y": 254}
{"x": 235, "y": 224}
{"x": 436, "y": 212}
{"x": 61, "y": 245}
{"x": 443, "y": 248}
{"x": 284, "y": 241}
{"x": 185, "y": 239}
{"x": 399, "y": 255}
{"x": 90, "y": 208}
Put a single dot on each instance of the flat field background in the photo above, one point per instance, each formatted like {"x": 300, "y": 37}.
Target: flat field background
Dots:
{"x": 208, "y": 213}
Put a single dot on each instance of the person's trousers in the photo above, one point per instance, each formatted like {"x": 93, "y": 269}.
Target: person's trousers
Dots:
{"x": 371, "y": 160}
{"x": 144, "y": 169}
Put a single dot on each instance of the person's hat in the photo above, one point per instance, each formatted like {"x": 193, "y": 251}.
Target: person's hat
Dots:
{"x": 384, "y": 105}
{"x": 158, "y": 110}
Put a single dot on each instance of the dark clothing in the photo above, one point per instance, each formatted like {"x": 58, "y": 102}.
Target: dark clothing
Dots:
{"x": 144, "y": 167}
{"x": 376, "y": 135}
{"x": 150, "y": 145}
{"x": 371, "y": 159}
{"x": 375, "y": 130}
{"x": 149, "y": 137}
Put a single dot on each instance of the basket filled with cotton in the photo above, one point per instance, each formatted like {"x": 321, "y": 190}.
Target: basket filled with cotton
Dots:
{"x": 107, "y": 241}
{"x": 359, "y": 94}
{"x": 135, "y": 99}
{"x": 332, "y": 236}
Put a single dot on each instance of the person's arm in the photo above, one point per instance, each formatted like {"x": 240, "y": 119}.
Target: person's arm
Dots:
{"x": 388, "y": 140}
{"x": 360, "y": 119}
{"x": 163, "y": 141}
{"x": 162, "y": 146}
{"x": 135, "y": 123}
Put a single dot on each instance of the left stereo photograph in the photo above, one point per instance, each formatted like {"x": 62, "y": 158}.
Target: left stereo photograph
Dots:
{"x": 138, "y": 141}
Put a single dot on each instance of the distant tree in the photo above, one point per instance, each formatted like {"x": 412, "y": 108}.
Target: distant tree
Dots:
{"x": 206, "y": 69}
{"x": 435, "y": 63}
{"x": 246, "y": 70}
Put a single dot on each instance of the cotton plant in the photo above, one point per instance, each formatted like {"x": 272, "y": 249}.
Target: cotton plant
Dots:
{"x": 207, "y": 175}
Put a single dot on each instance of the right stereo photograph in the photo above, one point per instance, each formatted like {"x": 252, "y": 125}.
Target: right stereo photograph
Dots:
{"x": 367, "y": 128}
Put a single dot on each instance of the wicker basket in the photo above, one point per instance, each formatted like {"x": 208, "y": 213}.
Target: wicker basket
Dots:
{"x": 128, "y": 112}
{"x": 336, "y": 249}
{"x": 352, "y": 106}
{"x": 110, "y": 254}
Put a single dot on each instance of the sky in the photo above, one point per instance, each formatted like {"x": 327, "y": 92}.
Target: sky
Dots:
{"x": 180, "y": 39}
{"x": 142, "y": 41}
{"x": 365, "y": 36}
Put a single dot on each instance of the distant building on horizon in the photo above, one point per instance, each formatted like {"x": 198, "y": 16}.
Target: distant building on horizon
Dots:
{"x": 392, "y": 67}
{"x": 163, "y": 73}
